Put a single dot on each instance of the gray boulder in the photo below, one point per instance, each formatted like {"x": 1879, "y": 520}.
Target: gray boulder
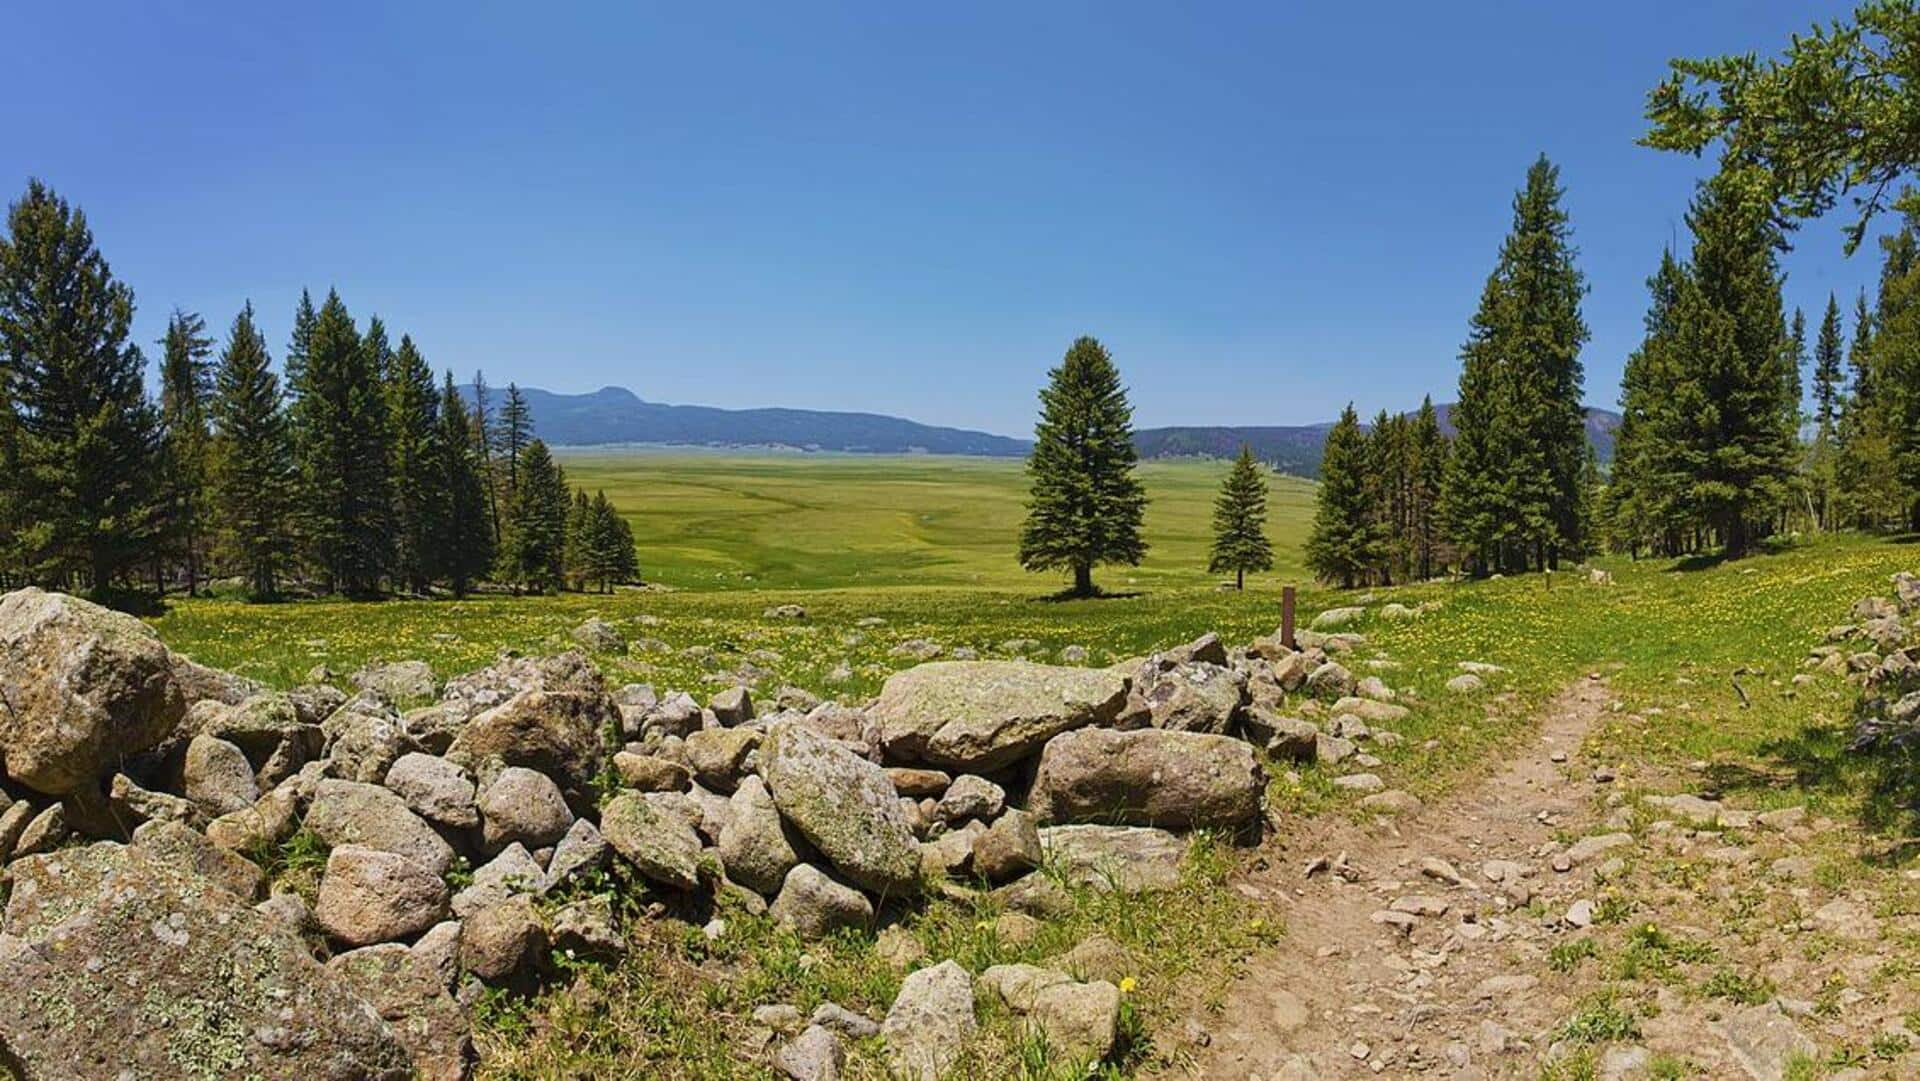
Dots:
{"x": 931, "y": 1022}
{"x": 364, "y": 739}
{"x": 513, "y": 871}
{"x": 413, "y": 1001}
{"x": 523, "y": 806}
{"x": 217, "y": 776}
{"x": 661, "y": 846}
{"x": 182, "y": 846}
{"x": 1124, "y": 859}
{"x": 1150, "y": 777}
{"x": 1190, "y": 696}
{"x": 369, "y": 896}
{"x": 557, "y": 733}
{"x": 815, "y": 906}
{"x": 351, "y": 813}
{"x": 435, "y": 789}
{"x": 971, "y": 797}
{"x": 844, "y": 805}
{"x": 399, "y": 681}
{"x": 599, "y": 636}
{"x": 1007, "y": 849}
{"x": 583, "y": 849}
{"x": 718, "y": 756}
{"x": 86, "y": 687}
{"x": 978, "y": 716}
{"x": 757, "y": 847}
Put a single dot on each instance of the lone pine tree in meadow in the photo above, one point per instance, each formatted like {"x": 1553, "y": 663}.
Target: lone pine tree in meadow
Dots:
{"x": 1346, "y": 543}
{"x": 1240, "y": 522}
{"x": 1086, "y": 504}
{"x": 1513, "y": 492}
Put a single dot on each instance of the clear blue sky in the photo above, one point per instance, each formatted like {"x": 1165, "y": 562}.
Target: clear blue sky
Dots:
{"x": 1263, "y": 210}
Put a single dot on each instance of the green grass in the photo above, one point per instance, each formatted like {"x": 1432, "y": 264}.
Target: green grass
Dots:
{"x": 794, "y": 521}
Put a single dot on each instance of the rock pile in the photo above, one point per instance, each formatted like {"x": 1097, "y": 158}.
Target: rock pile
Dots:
{"x": 1880, "y": 649}
{"x": 460, "y": 821}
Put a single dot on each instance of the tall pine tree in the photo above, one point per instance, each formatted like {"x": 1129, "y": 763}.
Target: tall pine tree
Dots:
{"x": 534, "y": 558}
{"x": 1345, "y": 544}
{"x": 415, "y": 471}
{"x": 1427, "y": 450}
{"x": 1086, "y": 504}
{"x": 83, "y": 483}
{"x": 186, "y": 384}
{"x": 1240, "y": 522}
{"x": 463, "y": 550}
{"x": 1828, "y": 397}
{"x": 339, "y": 417}
{"x": 254, "y": 475}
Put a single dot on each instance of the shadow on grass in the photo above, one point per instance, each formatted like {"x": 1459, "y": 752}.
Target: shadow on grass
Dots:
{"x": 1066, "y": 595}
{"x": 1884, "y": 778}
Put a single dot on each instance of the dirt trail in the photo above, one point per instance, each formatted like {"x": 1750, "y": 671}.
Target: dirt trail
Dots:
{"x": 1357, "y": 989}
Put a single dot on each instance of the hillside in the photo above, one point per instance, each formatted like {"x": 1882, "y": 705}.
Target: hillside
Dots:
{"x": 615, "y": 415}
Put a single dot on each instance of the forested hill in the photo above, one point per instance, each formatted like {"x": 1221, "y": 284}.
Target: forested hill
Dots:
{"x": 617, "y": 415}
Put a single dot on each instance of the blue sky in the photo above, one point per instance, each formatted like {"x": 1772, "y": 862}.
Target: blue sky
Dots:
{"x": 1263, "y": 210}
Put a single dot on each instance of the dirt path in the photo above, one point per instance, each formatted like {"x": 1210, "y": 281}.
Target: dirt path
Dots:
{"x": 1392, "y": 966}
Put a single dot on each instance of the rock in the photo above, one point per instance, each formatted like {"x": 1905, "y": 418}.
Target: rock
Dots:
{"x": 1334, "y": 619}
{"x": 503, "y": 941}
{"x": 585, "y": 929}
{"x": 364, "y": 739}
{"x": 513, "y": 871}
{"x": 1586, "y": 849}
{"x": 1369, "y": 710}
{"x": 1465, "y": 683}
{"x": 86, "y": 688}
{"x": 1783, "y": 819}
{"x": 131, "y": 804}
{"x": 718, "y": 756}
{"x": 756, "y": 845}
{"x": 1330, "y": 680}
{"x": 917, "y": 649}
{"x": 279, "y": 733}
{"x": 435, "y": 789}
{"x": 791, "y": 611}
{"x": 949, "y": 854}
{"x": 413, "y": 1000}
{"x": 183, "y": 847}
{"x": 931, "y": 1022}
{"x": 351, "y": 813}
{"x": 1126, "y": 859}
{"x": 44, "y": 832}
{"x": 1080, "y": 1020}
{"x": 583, "y": 849}
{"x": 119, "y": 964}
{"x": 400, "y": 681}
{"x": 676, "y": 715}
{"x": 917, "y": 783}
{"x": 837, "y": 1018}
{"x": 972, "y": 797}
{"x": 1189, "y": 697}
{"x": 815, "y": 906}
{"x": 290, "y": 909}
{"x": 734, "y": 706}
{"x": 1690, "y": 809}
{"x": 663, "y": 848}
{"x": 1580, "y": 913}
{"x": 1393, "y": 801}
{"x": 523, "y": 806}
{"x": 13, "y": 822}
{"x": 1007, "y": 849}
{"x": 1178, "y": 780}
{"x": 557, "y": 733}
{"x": 650, "y": 773}
{"x": 273, "y": 818}
{"x": 814, "y": 1055}
{"x": 217, "y": 777}
{"x": 845, "y": 806}
{"x": 368, "y": 895}
{"x": 1763, "y": 1040}
{"x": 599, "y": 636}
{"x": 979, "y": 716}
{"x": 200, "y": 683}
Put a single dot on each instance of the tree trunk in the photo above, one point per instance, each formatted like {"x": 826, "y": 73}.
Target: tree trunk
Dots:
{"x": 1082, "y": 580}
{"x": 1239, "y": 578}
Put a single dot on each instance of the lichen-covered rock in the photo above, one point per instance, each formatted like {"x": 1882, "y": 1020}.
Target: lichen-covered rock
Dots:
{"x": 1190, "y": 696}
{"x": 351, "y": 813}
{"x": 931, "y": 1022}
{"x": 598, "y": 635}
{"x": 414, "y": 1002}
{"x": 399, "y": 681}
{"x": 364, "y": 739}
{"x": 1330, "y": 680}
{"x": 273, "y": 818}
{"x": 182, "y": 846}
{"x": 815, "y": 906}
{"x": 503, "y": 941}
{"x": 971, "y": 797}
{"x": 132, "y": 804}
{"x": 1007, "y": 849}
{"x": 217, "y": 776}
{"x": 513, "y": 871}
{"x": 435, "y": 789}
{"x": 662, "y": 847}
{"x": 978, "y": 716}
{"x": 757, "y": 847}
{"x": 369, "y": 896}
{"x": 557, "y": 733}
{"x": 524, "y": 806}
{"x": 718, "y": 756}
{"x": 814, "y": 1055}
{"x": 844, "y": 805}
{"x": 1125, "y": 859}
{"x": 278, "y": 733}
{"x": 733, "y": 706}
{"x": 1149, "y": 777}
{"x": 120, "y": 964}
{"x": 1079, "y": 1020}
{"x": 651, "y": 773}
{"x": 86, "y": 688}
{"x": 583, "y": 849}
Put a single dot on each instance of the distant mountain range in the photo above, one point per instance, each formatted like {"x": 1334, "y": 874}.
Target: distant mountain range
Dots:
{"x": 613, "y": 415}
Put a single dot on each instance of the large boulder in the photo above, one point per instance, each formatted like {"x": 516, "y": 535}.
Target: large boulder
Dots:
{"x": 815, "y": 906}
{"x": 931, "y": 1022}
{"x": 365, "y": 738}
{"x": 119, "y": 964}
{"x": 217, "y": 776}
{"x": 369, "y": 896}
{"x": 1149, "y": 777}
{"x": 412, "y": 998}
{"x": 844, "y": 805}
{"x": 757, "y": 847}
{"x": 435, "y": 789}
{"x": 85, "y": 688}
{"x": 351, "y": 813}
{"x": 978, "y": 716}
{"x": 525, "y": 806}
{"x": 662, "y": 847}
{"x": 1191, "y": 696}
{"x": 558, "y": 733}
{"x": 1122, "y": 859}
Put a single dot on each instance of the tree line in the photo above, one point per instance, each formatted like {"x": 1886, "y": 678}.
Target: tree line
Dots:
{"x": 361, "y": 474}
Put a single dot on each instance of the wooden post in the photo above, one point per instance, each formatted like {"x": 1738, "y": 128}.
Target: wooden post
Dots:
{"x": 1286, "y": 618}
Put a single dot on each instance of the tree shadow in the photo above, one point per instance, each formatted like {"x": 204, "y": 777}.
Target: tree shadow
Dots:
{"x": 1884, "y": 776}
{"x": 1700, "y": 562}
{"x": 1066, "y": 595}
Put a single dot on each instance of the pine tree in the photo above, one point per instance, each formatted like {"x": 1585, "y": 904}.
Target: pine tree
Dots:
{"x": 1427, "y": 447}
{"x": 301, "y": 342}
{"x": 464, "y": 549}
{"x": 1345, "y": 544}
{"x": 535, "y": 553}
{"x": 580, "y": 540}
{"x": 84, "y": 477}
{"x": 610, "y": 555}
{"x": 1513, "y": 492}
{"x": 1828, "y": 397}
{"x": 515, "y": 430}
{"x": 1240, "y": 522}
{"x": 186, "y": 378}
{"x": 1723, "y": 439}
{"x": 341, "y": 436}
{"x": 413, "y": 461}
{"x": 1640, "y": 510}
{"x": 484, "y": 448}
{"x": 1863, "y": 462}
{"x": 1086, "y": 504}
{"x": 254, "y": 474}
{"x": 1896, "y": 381}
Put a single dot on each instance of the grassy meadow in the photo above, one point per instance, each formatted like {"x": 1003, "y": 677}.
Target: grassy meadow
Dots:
{"x": 885, "y": 553}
